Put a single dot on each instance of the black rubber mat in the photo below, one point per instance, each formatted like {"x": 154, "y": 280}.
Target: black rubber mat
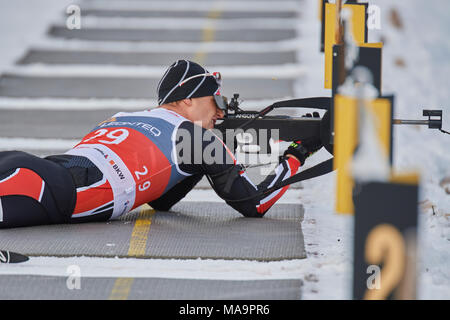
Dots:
{"x": 191, "y": 230}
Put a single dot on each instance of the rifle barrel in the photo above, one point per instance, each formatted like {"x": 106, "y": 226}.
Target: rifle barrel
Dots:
{"x": 419, "y": 122}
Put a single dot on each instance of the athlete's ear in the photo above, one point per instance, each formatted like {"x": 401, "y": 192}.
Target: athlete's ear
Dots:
{"x": 187, "y": 102}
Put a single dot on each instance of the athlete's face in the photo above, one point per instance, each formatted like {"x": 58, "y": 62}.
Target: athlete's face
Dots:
{"x": 205, "y": 110}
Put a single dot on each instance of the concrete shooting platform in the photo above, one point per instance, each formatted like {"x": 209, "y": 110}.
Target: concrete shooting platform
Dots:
{"x": 74, "y": 57}
{"x": 55, "y": 288}
{"x": 226, "y": 15}
{"x": 168, "y": 35}
{"x": 127, "y": 87}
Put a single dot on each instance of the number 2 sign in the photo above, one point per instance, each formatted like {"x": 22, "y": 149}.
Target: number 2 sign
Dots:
{"x": 385, "y": 228}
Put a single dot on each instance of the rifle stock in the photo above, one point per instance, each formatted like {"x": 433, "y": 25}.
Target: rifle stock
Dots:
{"x": 287, "y": 128}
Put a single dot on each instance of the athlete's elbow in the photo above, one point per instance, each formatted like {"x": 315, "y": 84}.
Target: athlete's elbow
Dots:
{"x": 160, "y": 206}
{"x": 251, "y": 212}
{"x": 254, "y": 215}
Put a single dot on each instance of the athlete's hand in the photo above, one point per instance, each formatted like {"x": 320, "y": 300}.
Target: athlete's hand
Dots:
{"x": 302, "y": 149}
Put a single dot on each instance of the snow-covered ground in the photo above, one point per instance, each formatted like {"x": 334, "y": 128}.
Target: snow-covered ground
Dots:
{"x": 416, "y": 62}
{"x": 416, "y": 65}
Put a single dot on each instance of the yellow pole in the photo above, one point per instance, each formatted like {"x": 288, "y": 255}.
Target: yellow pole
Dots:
{"x": 338, "y": 22}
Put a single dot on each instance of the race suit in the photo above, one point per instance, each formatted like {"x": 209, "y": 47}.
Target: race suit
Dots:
{"x": 131, "y": 159}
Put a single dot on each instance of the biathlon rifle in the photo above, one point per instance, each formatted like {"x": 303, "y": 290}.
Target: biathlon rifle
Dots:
{"x": 291, "y": 128}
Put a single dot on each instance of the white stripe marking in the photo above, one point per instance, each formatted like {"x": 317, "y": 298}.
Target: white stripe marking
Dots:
{"x": 198, "y": 86}
{"x": 183, "y": 23}
{"x": 270, "y": 197}
{"x": 174, "y": 150}
{"x": 91, "y": 212}
{"x": 8, "y": 103}
{"x": 99, "y": 183}
{"x": 200, "y": 6}
{"x": 274, "y": 194}
{"x": 282, "y": 71}
{"x": 163, "y": 268}
{"x": 164, "y": 76}
{"x": 181, "y": 80}
{"x": 164, "y": 46}
{"x": 1, "y": 210}
{"x": 10, "y": 176}
{"x": 42, "y": 191}
{"x": 278, "y": 172}
{"x": 36, "y": 144}
{"x": 3, "y": 258}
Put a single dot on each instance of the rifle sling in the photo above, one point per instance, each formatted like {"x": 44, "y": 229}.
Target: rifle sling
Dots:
{"x": 316, "y": 171}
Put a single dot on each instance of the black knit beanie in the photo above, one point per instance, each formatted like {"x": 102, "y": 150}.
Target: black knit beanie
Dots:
{"x": 170, "y": 90}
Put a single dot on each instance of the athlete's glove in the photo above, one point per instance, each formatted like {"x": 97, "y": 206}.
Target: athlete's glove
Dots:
{"x": 302, "y": 149}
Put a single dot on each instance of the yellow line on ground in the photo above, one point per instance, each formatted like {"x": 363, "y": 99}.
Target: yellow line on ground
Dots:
{"x": 138, "y": 244}
{"x": 138, "y": 241}
{"x": 208, "y": 34}
{"x": 121, "y": 289}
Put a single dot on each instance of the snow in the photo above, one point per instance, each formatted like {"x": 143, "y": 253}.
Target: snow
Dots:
{"x": 415, "y": 68}
{"x": 36, "y": 144}
{"x": 185, "y": 23}
{"x": 160, "y": 268}
{"x": 421, "y": 84}
{"x": 288, "y": 70}
{"x": 418, "y": 85}
{"x": 199, "y": 5}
